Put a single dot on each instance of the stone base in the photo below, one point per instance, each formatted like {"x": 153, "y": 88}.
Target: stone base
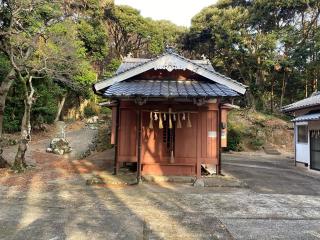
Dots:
{"x": 199, "y": 182}
{"x": 175, "y": 179}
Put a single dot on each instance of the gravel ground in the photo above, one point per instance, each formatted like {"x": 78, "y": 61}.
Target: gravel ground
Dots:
{"x": 275, "y": 200}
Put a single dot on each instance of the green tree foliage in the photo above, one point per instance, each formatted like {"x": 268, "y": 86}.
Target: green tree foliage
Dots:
{"x": 132, "y": 33}
{"x": 273, "y": 47}
{"x": 50, "y": 50}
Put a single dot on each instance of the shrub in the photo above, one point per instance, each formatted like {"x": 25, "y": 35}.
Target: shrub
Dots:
{"x": 234, "y": 140}
{"x": 90, "y": 110}
{"x": 257, "y": 143}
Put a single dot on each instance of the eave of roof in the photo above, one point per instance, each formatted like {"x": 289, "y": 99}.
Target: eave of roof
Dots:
{"x": 168, "y": 89}
{"x": 172, "y": 60}
{"x": 307, "y": 117}
{"x": 311, "y": 101}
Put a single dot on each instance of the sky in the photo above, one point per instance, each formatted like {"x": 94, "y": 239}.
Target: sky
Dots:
{"x": 179, "y": 12}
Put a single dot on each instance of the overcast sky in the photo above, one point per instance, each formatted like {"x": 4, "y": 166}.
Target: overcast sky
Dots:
{"x": 179, "y": 12}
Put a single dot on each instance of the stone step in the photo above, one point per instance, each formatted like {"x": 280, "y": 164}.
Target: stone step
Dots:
{"x": 268, "y": 149}
{"x": 176, "y": 179}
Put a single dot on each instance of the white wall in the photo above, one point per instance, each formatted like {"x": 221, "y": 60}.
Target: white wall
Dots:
{"x": 302, "y": 149}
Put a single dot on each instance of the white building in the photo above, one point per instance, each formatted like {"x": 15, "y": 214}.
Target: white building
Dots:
{"x": 306, "y": 130}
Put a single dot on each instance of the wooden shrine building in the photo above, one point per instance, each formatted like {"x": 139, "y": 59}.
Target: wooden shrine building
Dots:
{"x": 169, "y": 114}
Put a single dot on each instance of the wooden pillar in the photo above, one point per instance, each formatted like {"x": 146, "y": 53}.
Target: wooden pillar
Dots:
{"x": 116, "y": 140}
{"x": 198, "y": 163}
{"x": 139, "y": 146}
{"x": 218, "y": 170}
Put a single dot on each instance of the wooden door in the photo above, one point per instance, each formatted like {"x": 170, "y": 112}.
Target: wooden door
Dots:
{"x": 127, "y": 136}
{"x": 152, "y": 141}
{"x": 208, "y": 137}
{"x": 186, "y": 141}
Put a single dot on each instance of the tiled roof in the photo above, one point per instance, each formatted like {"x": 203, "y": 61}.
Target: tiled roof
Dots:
{"x": 129, "y": 63}
{"x": 168, "y": 61}
{"x": 312, "y": 101}
{"x": 307, "y": 117}
{"x": 165, "y": 88}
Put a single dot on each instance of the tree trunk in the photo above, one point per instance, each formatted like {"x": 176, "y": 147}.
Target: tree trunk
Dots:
{"x": 251, "y": 100}
{"x": 306, "y": 88}
{"x": 283, "y": 89}
{"x": 20, "y": 162}
{"x": 60, "y": 107}
{"x": 4, "y": 89}
{"x": 272, "y": 96}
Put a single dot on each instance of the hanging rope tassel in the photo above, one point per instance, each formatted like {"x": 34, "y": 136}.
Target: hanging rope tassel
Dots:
{"x": 155, "y": 116}
{"x": 160, "y": 121}
{"x": 189, "y": 122}
{"x": 170, "y": 121}
{"x": 151, "y": 121}
{"x": 174, "y": 117}
{"x": 179, "y": 121}
{"x": 183, "y": 116}
{"x": 164, "y": 117}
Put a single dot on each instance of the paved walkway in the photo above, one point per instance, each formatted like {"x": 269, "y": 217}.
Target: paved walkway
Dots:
{"x": 53, "y": 201}
{"x": 283, "y": 201}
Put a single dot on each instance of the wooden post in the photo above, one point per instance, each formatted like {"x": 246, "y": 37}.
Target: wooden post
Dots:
{"x": 116, "y": 146}
{"x": 218, "y": 171}
{"x": 139, "y": 147}
{"x": 198, "y": 163}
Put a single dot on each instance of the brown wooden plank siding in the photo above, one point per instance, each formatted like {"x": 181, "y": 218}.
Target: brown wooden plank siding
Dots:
{"x": 173, "y": 75}
{"x": 127, "y": 136}
{"x": 186, "y": 141}
{"x": 208, "y": 153}
{"x": 152, "y": 145}
{"x": 113, "y": 125}
{"x": 191, "y": 144}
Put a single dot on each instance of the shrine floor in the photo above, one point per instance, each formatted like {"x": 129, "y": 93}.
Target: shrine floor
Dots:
{"x": 275, "y": 201}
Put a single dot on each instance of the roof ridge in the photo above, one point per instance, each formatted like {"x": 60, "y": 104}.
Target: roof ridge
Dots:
{"x": 213, "y": 71}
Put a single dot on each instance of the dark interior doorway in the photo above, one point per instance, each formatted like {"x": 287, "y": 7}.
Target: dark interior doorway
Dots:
{"x": 315, "y": 150}
{"x": 169, "y": 139}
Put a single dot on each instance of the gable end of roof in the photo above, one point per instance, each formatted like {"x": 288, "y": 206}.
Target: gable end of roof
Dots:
{"x": 169, "y": 61}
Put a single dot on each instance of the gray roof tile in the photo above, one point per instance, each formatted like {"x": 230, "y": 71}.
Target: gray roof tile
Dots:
{"x": 307, "y": 117}
{"x": 312, "y": 101}
{"x": 165, "y": 88}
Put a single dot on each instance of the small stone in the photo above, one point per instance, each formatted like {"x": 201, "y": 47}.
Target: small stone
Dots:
{"x": 93, "y": 127}
{"x": 49, "y": 150}
{"x": 60, "y": 146}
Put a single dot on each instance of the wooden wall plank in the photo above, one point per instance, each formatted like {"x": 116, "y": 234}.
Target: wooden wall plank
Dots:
{"x": 127, "y": 135}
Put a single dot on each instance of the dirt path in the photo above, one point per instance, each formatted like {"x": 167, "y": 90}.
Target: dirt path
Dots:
{"x": 79, "y": 139}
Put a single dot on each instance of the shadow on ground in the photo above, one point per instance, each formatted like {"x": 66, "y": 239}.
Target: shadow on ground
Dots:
{"x": 52, "y": 201}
